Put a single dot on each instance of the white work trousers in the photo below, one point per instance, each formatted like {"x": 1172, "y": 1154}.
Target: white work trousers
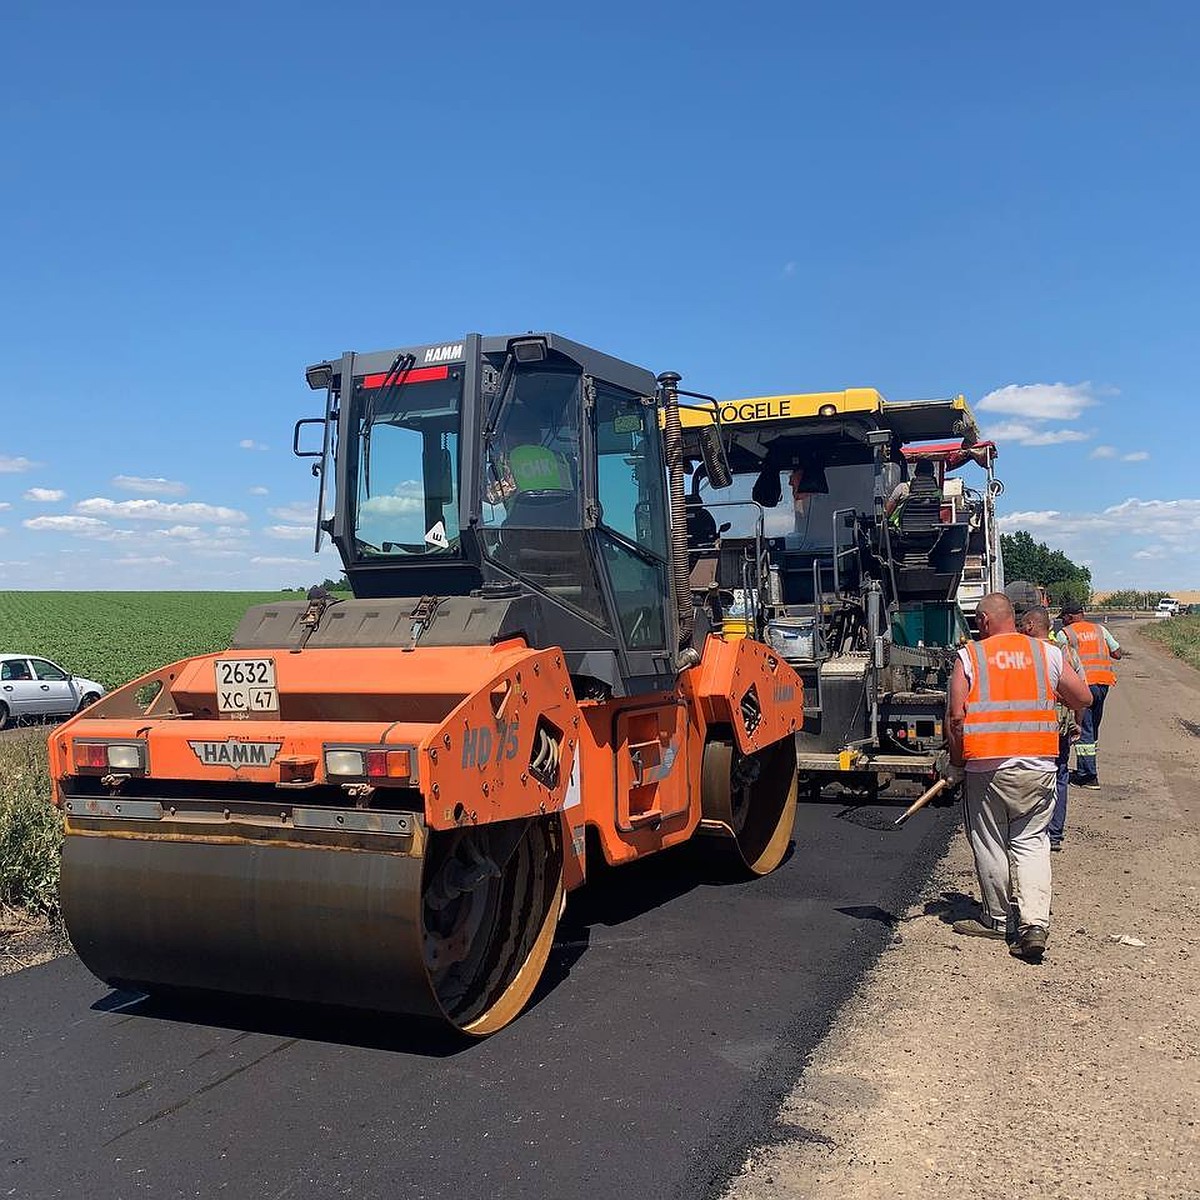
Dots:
{"x": 1007, "y": 813}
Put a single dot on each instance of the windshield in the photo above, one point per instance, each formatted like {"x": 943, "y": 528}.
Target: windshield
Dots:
{"x": 406, "y": 463}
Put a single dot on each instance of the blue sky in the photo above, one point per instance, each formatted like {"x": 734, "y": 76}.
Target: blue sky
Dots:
{"x": 198, "y": 201}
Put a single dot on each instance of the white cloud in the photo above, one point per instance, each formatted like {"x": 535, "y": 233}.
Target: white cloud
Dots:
{"x": 14, "y": 466}
{"x": 158, "y": 510}
{"x": 85, "y": 526}
{"x": 292, "y": 533}
{"x": 4, "y": 504}
{"x": 1025, "y": 434}
{"x": 1104, "y": 452}
{"x": 1028, "y": 520}
{"x": 1162, "y": 519}
{"x": 154, "y": 485}
{"x": 151, "y": 560}
{"x": 300, "y": 512}
{"x": 391, "y": 506}
{"x": 251, "y": 444}
{"x": 44, "y": 495}
{"x": 1136, "y": 456}
{"x": 259, "y": 490}
{"x": 1134, "y": 531}
{"x": 1040, "y": 401}
{"x": 272, "y": 561}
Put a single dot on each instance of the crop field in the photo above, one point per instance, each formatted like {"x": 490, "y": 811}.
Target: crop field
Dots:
{"x": 1180, "y": 635}
{"x": 113, "y": 637}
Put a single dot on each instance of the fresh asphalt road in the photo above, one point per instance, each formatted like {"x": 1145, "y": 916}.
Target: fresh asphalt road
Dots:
{"x": 674, "y": 1016}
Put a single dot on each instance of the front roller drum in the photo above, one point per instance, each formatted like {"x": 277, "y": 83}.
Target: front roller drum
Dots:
{"x": 749, "y": 804}
{"x": 460, "y": 933}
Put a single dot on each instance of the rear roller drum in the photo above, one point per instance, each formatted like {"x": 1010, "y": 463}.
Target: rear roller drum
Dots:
{"x": 749, "y": 803}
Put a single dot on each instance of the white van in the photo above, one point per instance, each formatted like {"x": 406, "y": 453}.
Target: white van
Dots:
{"x": 1167, "y": 607}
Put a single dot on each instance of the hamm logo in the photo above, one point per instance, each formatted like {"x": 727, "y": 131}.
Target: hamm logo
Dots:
{"x": 231, "y": 753}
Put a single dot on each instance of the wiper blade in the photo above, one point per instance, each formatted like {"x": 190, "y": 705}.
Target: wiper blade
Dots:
{"x": 392, "y": 382}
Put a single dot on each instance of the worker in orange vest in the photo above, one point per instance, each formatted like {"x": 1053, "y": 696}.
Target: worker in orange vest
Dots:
{"x": 1002, "y": 735}
{"x": 1097, "y": 650}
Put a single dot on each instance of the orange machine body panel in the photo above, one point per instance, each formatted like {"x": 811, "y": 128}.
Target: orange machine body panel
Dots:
{"x": 475, "y": 720}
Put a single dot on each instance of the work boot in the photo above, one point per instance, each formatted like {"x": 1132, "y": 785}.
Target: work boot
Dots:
{"x": 974, "y": 928}
{"x": 1030, "y": 944}
{"x": 1056, "y": 847}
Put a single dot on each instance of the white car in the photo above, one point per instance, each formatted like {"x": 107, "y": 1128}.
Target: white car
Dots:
{"x": 36, "y": 687}
{"x": 1167, "y": 607}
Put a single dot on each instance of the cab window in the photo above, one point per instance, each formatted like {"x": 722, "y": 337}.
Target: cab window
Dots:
{"x": 47, "y": 670}
{"x": 15, "y": 669}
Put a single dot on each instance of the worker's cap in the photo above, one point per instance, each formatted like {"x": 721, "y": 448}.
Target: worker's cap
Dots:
{"x": 1071, "y": 608}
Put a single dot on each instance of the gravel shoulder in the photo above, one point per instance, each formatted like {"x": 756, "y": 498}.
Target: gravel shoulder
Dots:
{"x": 959, "y": 1071}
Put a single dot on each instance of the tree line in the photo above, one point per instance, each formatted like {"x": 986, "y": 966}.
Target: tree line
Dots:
{"x": 1034, "y": 561}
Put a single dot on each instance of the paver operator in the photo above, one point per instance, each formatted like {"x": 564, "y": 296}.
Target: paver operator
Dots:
{"x": 1097, "y": 649}
{"x": 1003, "y": 734}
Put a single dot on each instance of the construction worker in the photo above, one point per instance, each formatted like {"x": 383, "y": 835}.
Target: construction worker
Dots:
{"x": 923, "y": 483}
{"x": 527, "y": 464}
{"x": 1002, "y": 732}
{"x": 1035, "y": 622}
{"x": 1097, "y": 648}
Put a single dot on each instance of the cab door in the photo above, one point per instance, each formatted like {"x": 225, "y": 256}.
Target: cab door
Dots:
{"x": 633, "y": 518}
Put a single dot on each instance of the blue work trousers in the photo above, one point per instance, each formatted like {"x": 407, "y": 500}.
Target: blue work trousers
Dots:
{"x": 1058, "y": 822}
{"x": 1089, "y": 735}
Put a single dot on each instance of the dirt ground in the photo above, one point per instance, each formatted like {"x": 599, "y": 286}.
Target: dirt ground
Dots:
{"x": 959, "y": 1071}
{"x": 26, "y": 940}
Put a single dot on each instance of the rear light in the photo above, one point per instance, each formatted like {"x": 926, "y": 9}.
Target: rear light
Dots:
{"x": 110, "y": 756}
{"x": 388, "y": 764}
{"x": 91, "y": 756}
{"x": 376, "y": 763}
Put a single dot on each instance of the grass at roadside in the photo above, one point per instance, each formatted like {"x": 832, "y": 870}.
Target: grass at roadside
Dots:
{"x": 30, "y": 829}
{"x": 1180, "y": 635}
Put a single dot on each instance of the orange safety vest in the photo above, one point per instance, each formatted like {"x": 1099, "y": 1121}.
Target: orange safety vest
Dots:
{"x": 1010, "y": 707}
{"x": 1092, "y": 647}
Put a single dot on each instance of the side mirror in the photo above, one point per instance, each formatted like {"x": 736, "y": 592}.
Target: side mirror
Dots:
{"x": 716, "y": 463}
{"x": 296, "y": 450}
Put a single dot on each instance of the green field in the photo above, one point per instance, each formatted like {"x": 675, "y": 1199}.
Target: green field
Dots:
{"x": 1180, "y": 635}
{"x": 113, "y": 637}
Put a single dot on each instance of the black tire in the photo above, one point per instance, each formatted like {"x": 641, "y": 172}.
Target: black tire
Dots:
{"x": 4, "y": 717}
{"x": 87, "y": 701}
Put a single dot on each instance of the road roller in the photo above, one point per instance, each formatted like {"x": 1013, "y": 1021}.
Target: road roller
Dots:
{"x": 380, "y": 799}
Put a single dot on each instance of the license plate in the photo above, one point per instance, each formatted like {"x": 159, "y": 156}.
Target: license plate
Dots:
{"x": 246, "y": 685}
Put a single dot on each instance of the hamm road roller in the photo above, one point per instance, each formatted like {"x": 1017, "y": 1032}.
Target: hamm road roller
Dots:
{"x": 381, "y": 801}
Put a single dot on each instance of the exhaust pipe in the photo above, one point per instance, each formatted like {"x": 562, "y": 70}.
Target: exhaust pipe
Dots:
{"x": 668, "y": 383}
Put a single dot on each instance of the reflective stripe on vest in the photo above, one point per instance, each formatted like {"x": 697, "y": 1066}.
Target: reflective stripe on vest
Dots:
{"x": 1010, "y": 707}
{"x": 1092, "y": 647}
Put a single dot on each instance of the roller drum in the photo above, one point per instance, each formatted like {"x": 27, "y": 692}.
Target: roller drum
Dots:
{"x": 458, "y": 932}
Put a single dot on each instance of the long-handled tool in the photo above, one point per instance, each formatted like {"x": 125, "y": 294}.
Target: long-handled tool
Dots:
{"x": 922, "y": 800}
